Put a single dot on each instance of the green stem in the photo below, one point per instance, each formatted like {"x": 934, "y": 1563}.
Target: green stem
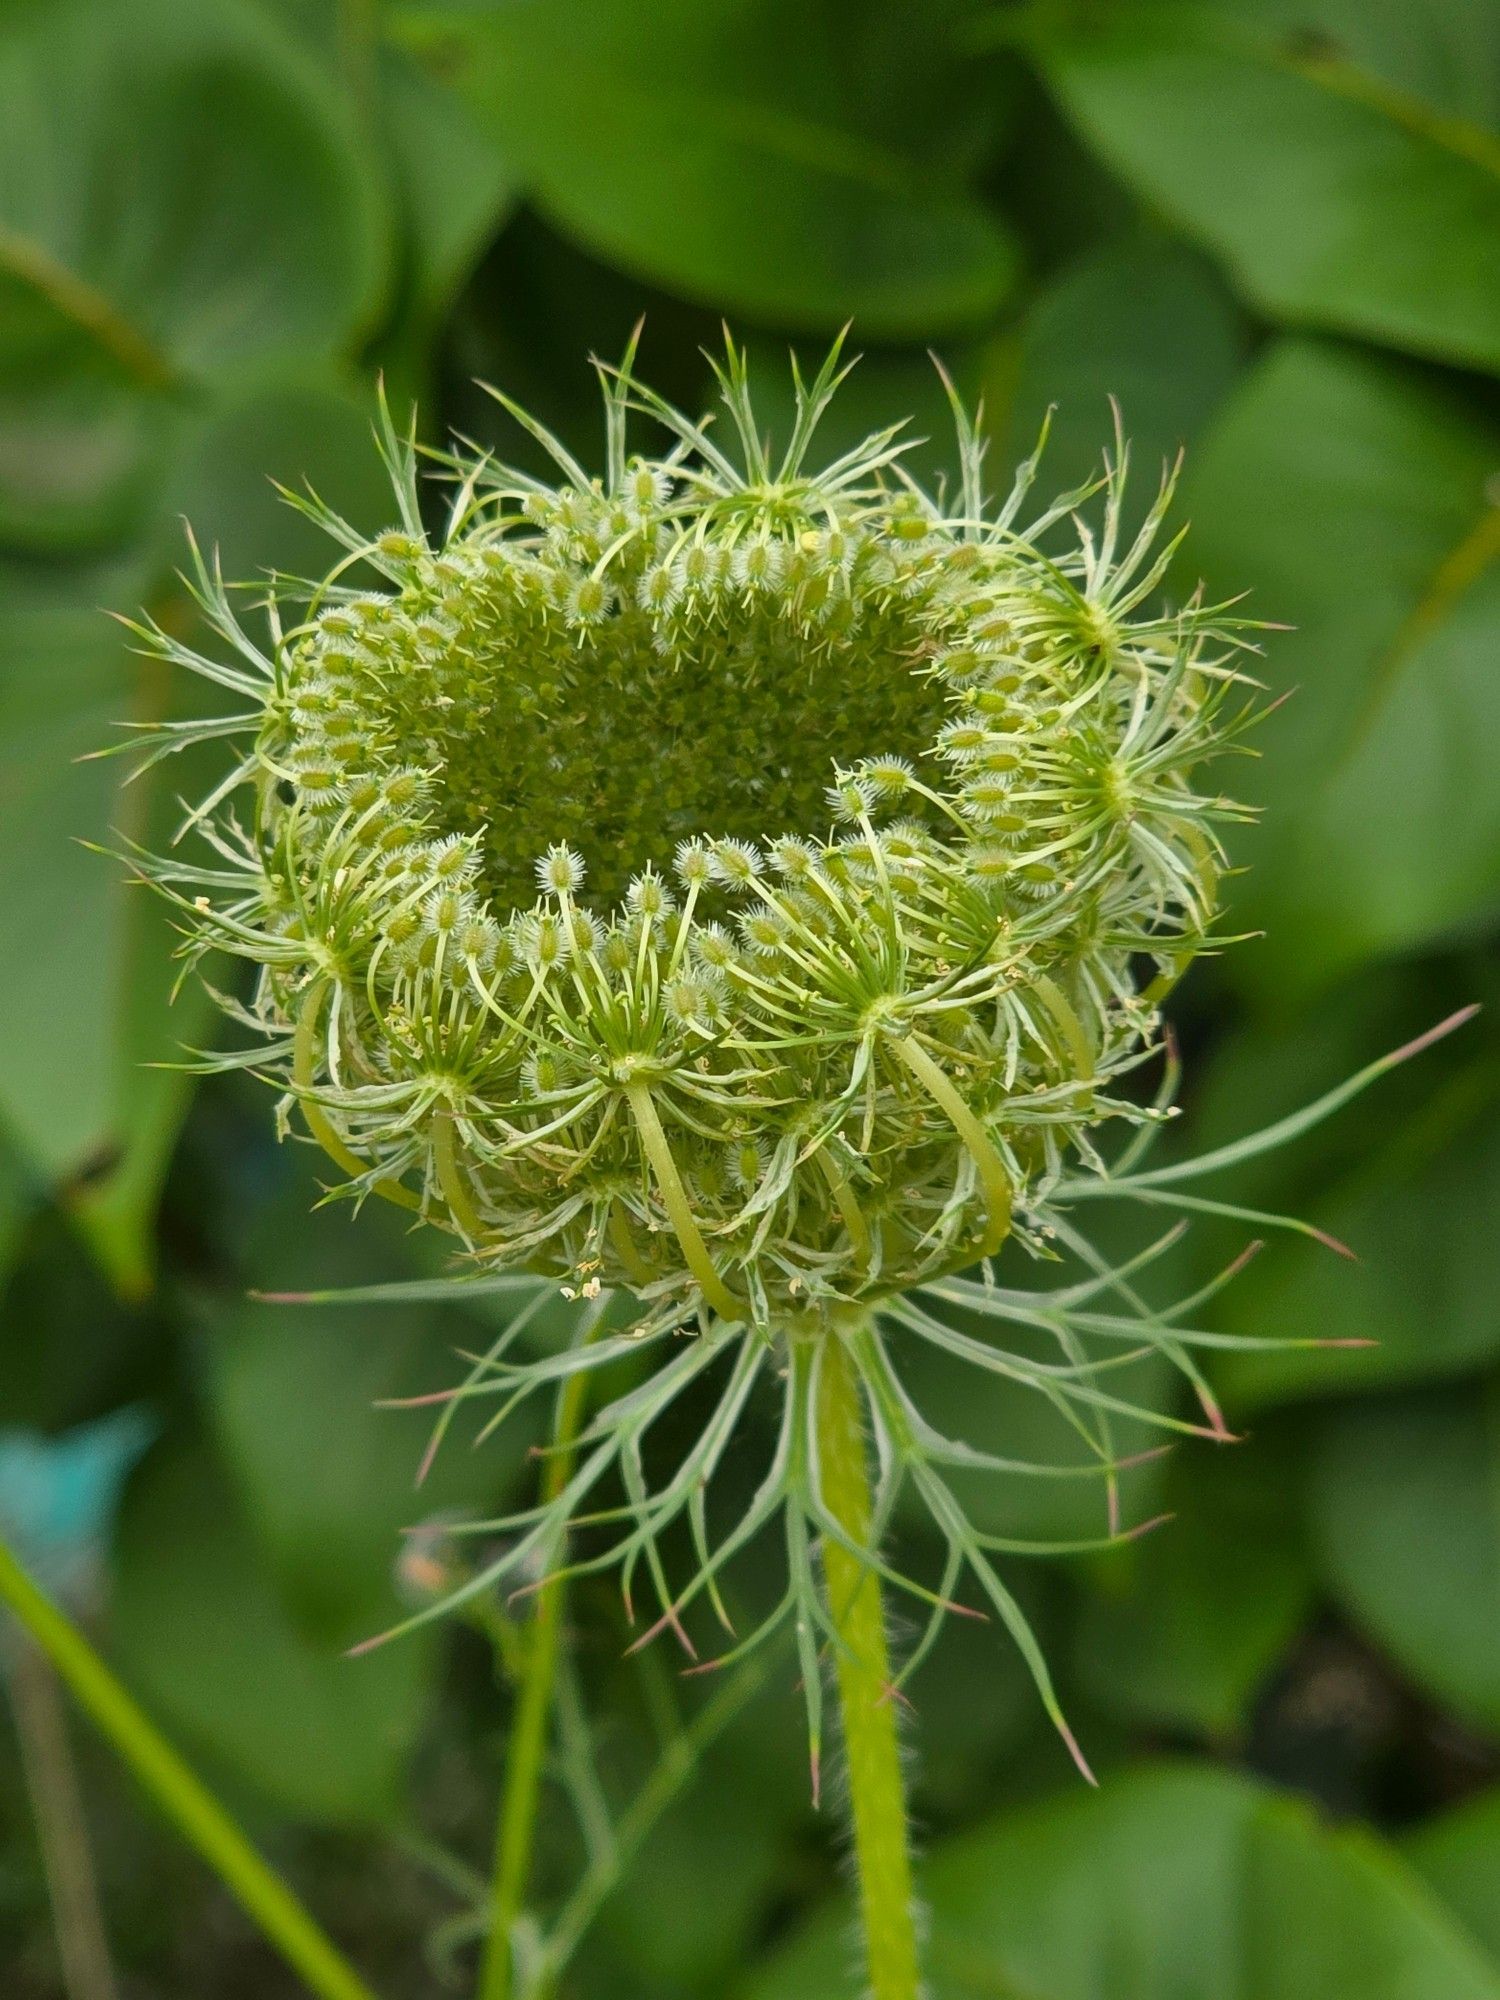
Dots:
{"x": 179, "y": 1793}
{"x": 994, "y": 1181}
{"x": 516, "y": 1827}
{"x": 675, "y": 1200}
{"x": 877, "y": 1791}
{"x": 62, "y": 1828}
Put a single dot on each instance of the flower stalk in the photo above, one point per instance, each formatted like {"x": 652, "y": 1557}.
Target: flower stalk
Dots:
{"x": 526, "y": 1752}
{"x": 867, "y": 1697}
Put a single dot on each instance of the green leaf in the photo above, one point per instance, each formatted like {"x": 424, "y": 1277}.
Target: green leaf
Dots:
{"x": 1406, "y": 1507}
{"x": 327, "y": 1478}
{"x": 1354, "y": 496}
{"x": 455, "y": 190}
{"x": 1408, "y": 1178}
{"x": 301, "y": 428}
{"x": 248, "y": 229}
{"x": 1181, "y": 1629}
{"x": 202, "y": 1634}
{"x": 89, "y": 954}
{"x": 1337, "y": 198}
{"x": 754, "y": 157}
{"x": 1458, "y": 1854}
{"x": 181, "y": 200}
{"x": 86, "y": 954}
{"x": 1143, "y": 320}
{"x": 1446, "y": 52}
{"x": 1171, "y": 1884}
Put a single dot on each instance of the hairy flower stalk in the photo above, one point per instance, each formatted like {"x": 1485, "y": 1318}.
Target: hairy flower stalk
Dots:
{"x": 744, "y": 884}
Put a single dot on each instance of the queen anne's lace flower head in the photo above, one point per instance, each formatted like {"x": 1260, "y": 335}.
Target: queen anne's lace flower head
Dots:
{"x": 717, "y": 812}
{"x": 732, "y": 880}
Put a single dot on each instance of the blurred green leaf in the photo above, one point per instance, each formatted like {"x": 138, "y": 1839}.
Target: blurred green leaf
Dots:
{"x": 328, "y": 1480}
{"x": 1446, "y": 52}
{"x": 181, "y": 200}
{"x": 1406, "y": 1507}
{"x": 1355, "y": 497}
{"x": 1173, "y": 1884}
{"x": 1180, "y": 1630}
{"x": 88, "y": 971}
{"x": 180, "y": 185}
{"x": 202, "y": 1634}
{"x": 1409, "y": 1178}
{"x": 454, "y": 190}
{"x": 297, "y": 429}
{"x": 89, "y": 954}
{"x": 1337, "y": 197}
{"x": 1143, "y": 320}
{"x": 753, "y": 156}
{"x": 1458, "y": 1854}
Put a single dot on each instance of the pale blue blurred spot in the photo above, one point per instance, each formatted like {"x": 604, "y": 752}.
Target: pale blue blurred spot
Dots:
{"x": 58, "y": 1497}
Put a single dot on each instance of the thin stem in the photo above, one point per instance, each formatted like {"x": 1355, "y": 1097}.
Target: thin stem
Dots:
{"x": 674, "y": 1197}
{"x": 867, "y": 1701}
{"x": 179, "y": 1793}
{"x": 62, "y": 1829}
{"x": 519, "y": 1799}
{"x": 670, "y": 1776}
{"x": 993, "y": 1179}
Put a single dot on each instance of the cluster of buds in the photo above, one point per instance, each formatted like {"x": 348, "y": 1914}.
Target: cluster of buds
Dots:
{"x": 729, "y": 881}
{"x": 741, "y": 884}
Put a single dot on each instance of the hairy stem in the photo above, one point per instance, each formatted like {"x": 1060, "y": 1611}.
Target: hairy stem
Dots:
{"x": 519, "y": 1799}
{"x": 877, "y": 1792}
{"x": 62, "y": 1829}
{"x": 180, "y": 1794}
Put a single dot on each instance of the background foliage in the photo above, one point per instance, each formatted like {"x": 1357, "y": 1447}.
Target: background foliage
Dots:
{"x": 1272, "y": 230}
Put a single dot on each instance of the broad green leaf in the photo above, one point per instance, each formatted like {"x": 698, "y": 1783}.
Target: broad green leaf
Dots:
{"x": 179, "y": 184}
{"x": 754, "y": 156}
{"x": 303, "y": 429}
{"x": 1172, "y": 1884}
{"x": 1445, "y": 52}
{"x": 1337, "y": 198}
{"x": 1180, "y": 1630}
{"x": 86, "y": 974}
{"x": 1142, "y": 320}
{"x": 1355, "y": 498}
{"x": 181, "y": 200}
{"x": 1406, "y": 1507}
{"x": 89, "y": 969}
{"x": 1458, "y": 1854}
{"x": 202, "y": 1634}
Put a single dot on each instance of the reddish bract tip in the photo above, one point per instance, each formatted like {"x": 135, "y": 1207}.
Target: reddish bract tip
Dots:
{"x": 1085, "y": 1768}
{"x": 1145, "y": 1527}
{"x": 1421, "y": 1042}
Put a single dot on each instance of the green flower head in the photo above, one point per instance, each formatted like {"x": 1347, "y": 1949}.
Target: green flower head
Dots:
{"x": 739, "y": 881}
{"x": 727, "y": 879}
